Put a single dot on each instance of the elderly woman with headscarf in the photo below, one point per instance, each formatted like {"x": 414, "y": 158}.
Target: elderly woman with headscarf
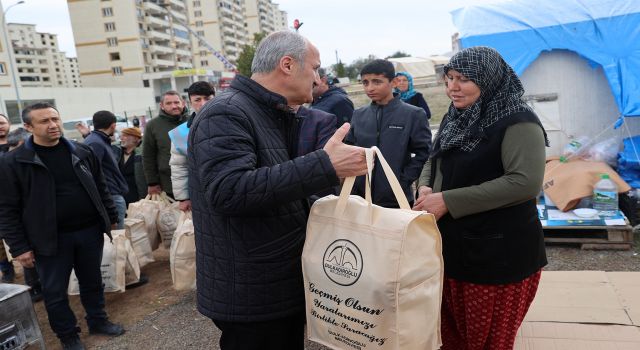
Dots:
{"x": 404, "y": 87}
{"x": 481, "y": 183}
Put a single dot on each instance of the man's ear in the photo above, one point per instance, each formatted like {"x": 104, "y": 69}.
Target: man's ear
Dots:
{"x": 28, "y": 127}
{"x": 287, "y": 64}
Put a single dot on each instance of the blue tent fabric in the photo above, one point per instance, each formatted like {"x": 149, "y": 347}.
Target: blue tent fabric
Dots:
{"x": 604, "y": 32}
{"x": 628, "y": 162}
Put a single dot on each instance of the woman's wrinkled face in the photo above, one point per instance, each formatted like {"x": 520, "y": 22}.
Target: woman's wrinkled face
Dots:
{"x": 402, "y": 83}
{"x": 461, "y": 90}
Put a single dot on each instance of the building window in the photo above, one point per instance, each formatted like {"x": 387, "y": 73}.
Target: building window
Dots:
{"x": 116, "y": 70}
{"x": 197, "y": 13}
{"x": 199, "y": 24}
{"x": 107, "y": 12}
{"x": 145, "y": 83}
{"x": 112, "y": 41}
{"x": 196, "y": 4}
{"x": 45, "y": 79}
{"x": 204, "y": 63}
{"x": 200, "y": 32}
{"x": 114, "y": 56}
{"x": 110, "y": 27}
{"x": 204, "y": 53}
{"x": 3, "y": 68}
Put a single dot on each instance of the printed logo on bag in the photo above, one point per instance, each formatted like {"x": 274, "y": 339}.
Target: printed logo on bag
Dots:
{"x": 342, "y": 262}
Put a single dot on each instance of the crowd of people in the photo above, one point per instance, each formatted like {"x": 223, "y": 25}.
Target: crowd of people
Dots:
{"x": 249, "y": 161}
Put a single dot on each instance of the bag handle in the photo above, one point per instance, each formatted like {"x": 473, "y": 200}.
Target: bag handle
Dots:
{"x": 370, "y": 154}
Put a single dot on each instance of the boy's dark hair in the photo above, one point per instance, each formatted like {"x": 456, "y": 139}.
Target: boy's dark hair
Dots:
{"x": 201, "y": 88}
{"x": 17, "y": 135}
{"x": 379, "y": 66}
{"x": 103, "y": 120}
{"x": 26, "y": 118}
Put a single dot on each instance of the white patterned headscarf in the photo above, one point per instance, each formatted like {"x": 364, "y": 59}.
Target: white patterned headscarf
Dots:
{"x": 500, "y": 96}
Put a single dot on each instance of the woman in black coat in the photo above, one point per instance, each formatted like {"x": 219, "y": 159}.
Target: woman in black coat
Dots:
{"x": 404, "y": 87}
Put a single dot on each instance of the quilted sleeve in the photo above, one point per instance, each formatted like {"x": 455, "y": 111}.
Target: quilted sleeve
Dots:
{"x": 225, "y": 158}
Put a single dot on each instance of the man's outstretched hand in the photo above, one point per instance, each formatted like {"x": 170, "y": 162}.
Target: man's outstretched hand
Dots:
{"x": 347, "y": 160}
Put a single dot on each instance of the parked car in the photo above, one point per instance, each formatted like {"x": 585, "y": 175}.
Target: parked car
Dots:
{"x": 71, "y": 132}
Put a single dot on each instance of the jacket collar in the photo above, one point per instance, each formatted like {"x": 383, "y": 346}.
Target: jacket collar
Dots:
{"x": 103, "y": 136}
{"x": 393, "y": 104}
{"x": 175, "y": 120}
{"x": 27, "y": 151}
{"x": 260, "y": 93}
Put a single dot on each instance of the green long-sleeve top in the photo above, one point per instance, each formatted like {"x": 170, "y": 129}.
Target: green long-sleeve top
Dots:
{"x": 156, "y": 149}
{"x": 523, "y": 158}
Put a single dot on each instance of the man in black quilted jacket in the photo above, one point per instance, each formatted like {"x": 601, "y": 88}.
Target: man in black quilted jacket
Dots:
{"x": 249, "y": 191}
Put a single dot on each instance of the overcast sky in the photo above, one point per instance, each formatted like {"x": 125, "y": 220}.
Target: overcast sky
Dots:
{"x": 355, "y": 28}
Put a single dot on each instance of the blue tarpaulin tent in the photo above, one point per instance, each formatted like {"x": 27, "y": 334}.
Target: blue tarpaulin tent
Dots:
{"x": 605, "y": 32}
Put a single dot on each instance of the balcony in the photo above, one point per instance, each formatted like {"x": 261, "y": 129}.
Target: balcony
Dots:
{"x": 161, "y": 49}
{"x": 181, "y": 52}
{"x": 181, "y": 40}
{"x": 156, "y": 22}
{"x": 185, "y": 65}
{"x": 177, "y": 4}
{"x": 162, "y": 63}
{"x": 158, "y": 36}
{"x": 179, "y": 15}
{"x": 153, "y": 8}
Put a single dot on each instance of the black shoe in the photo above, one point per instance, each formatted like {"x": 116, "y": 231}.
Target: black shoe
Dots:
{"x": 107, "y": 328}
{"x": 144, "y": 279}
{"x": 72, "y": 343}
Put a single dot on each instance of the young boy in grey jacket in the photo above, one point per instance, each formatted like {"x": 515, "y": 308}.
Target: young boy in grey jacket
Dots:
{"x": 401, "y": 131}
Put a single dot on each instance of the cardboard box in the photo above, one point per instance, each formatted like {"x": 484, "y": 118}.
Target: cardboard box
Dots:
{"x": 583, "y": 310}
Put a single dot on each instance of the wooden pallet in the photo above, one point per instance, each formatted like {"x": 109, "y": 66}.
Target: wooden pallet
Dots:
{"x": 591, "y": 237}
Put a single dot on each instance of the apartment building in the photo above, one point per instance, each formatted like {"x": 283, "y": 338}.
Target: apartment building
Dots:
{"x": 38, "y": 59}
{"x": 222, "y": 24}
{"x": 5, "y": 66}
{"x": 264, "y": 16}
{"x": 118, "y": 42}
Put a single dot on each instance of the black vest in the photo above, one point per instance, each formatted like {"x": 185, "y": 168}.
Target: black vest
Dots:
{"x": 499, "y": 246}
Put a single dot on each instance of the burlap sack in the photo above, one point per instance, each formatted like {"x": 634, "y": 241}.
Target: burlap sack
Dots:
{"x": 136, "y": 232}
{"x": 373, "y": 276}
{"x": 114, "y": 257}
{"x": 182, "y": 256}
{"x": 567, "y": 183}
{"x": 168, "y": 220}
{"x": 147, "y": 210}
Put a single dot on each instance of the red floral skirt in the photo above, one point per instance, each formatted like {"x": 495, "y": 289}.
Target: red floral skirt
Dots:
{"x": 482, "y": 316}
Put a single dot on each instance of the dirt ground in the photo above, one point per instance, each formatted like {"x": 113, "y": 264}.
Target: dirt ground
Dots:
{"x": 156, "y": 316}
{"x": 125, "y": 308}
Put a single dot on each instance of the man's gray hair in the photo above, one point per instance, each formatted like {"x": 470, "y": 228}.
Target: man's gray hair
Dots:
{"x": 274, "y": 47}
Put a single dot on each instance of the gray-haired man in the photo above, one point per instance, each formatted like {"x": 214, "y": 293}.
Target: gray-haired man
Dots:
{"x": 249, "y": 194}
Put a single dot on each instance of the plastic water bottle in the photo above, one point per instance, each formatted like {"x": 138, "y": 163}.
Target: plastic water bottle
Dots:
{"x": 574, "y": 148}
{"x": 605, "y": 196}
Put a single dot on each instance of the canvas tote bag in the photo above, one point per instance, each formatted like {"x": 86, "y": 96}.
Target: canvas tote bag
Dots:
{"x": 114, "y": 258}
{"x": 147, "y": 210}
{"x": 136, "y": 231}
{"x": 373, "y": 276}
{"x": 167, "y": 219}
{"x": 182, "y": 256}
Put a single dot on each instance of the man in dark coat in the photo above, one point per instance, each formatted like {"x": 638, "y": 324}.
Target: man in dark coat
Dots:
{"x": 248, "y": 191}
{"x": 104, "y": 124}
{"x": 332, "y": 99}
{"x": 54, "y": 208}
